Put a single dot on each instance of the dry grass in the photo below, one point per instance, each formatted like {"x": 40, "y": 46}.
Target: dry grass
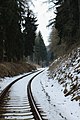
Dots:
{"x": 12, "y": 69}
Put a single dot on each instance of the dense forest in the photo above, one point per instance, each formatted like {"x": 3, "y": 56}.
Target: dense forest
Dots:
{"x": 18, "y": 25}
{"x": 65, "y": 26}
{"x": 17, "y": 30}
{"x": 40, "y": 50}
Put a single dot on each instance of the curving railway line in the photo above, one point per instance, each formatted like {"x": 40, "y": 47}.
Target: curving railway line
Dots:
{"x": 17, "y": 101}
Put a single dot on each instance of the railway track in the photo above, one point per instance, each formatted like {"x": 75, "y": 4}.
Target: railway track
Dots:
{"x": 17, "y": 102}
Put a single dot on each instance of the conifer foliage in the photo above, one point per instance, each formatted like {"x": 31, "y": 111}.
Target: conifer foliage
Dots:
{"x": 67, "y": 21}
{"x": 40, "y": 49}
{"x": 29, "y": 32}
{"x": 12, "y": 15}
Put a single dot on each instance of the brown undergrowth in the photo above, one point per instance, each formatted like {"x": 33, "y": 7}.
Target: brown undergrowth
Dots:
{"x": 8, "y": 69}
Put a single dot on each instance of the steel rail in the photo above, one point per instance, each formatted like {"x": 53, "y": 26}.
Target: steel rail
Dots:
{"x": 4, "y": 91}
{"x": 34, "y": 108}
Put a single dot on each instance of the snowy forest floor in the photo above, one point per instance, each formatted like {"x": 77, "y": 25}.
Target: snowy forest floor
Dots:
{"x": 66, "y": 71}
{"x": 57, "y": 90}
{"x": 49, "y": 94}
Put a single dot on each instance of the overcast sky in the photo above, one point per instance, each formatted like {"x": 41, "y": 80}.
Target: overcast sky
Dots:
{"x": 43, "y": 16}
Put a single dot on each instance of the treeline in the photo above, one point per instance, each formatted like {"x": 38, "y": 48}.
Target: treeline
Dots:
{"x": 66, "y": 25}
{"x": 17, "y": 30}
{"x": 40, "y": 51}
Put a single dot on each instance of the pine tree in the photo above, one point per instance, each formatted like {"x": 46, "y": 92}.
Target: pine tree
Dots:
{"x": 40, "y": 49}
{"x": 13, "y": 30}
{"x": 11, "y": 22}
{"x": 67, "y": 20}
{"x": 2, "y": 28}
{"x": 29, "y": 32}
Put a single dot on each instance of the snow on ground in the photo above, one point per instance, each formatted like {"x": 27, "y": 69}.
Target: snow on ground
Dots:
{"x": 58, "y": 90}
{"x": 67, "y": 73}
{"x": 48, "y": 93}
{"x": 7, "y": 80}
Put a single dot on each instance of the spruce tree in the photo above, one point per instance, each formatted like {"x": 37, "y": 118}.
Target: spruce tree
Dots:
{"x": 12, "y": 14}
{"x": 40, "y": 49}
{"x": 29, "y": 32}
{"x": 2, "y": 28}
{"x": 13, "y": 30}
{"x": 67, "y": 20}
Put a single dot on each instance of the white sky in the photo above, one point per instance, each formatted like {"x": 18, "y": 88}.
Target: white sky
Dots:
{"x": 43, "y": 16}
